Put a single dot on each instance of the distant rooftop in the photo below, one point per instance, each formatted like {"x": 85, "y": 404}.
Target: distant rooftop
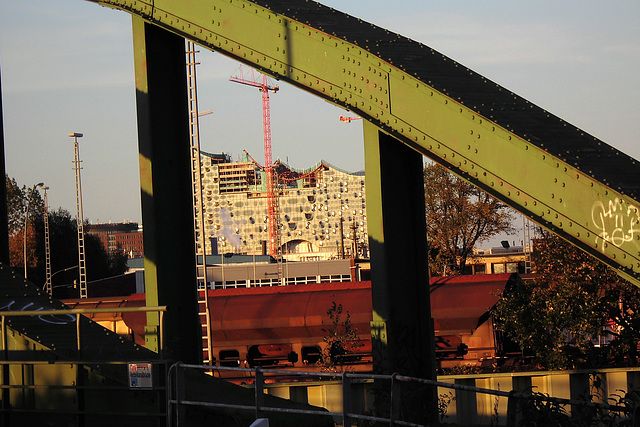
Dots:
{"x": 113, "y": 228}
{"x": 499, "y": 250}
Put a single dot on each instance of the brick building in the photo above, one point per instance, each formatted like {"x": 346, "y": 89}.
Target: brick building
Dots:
{"x": 125, "y": 237}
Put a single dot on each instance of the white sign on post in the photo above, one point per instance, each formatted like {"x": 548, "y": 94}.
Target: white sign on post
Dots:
{"x": 140, "y": 376}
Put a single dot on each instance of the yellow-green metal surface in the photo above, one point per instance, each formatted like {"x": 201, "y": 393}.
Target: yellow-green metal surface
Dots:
{"x": 539, "y": 176}
{"x": 58, "y": 368}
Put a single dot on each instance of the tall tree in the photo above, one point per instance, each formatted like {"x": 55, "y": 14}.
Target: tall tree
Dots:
{"x": 63, "y": 240}
{"x": 15, "y": 208}
{"x": 22, "y": 202}
{"x": 18, "y": 198}
{"x": 459, "y": 215}
{"x": 567, "y": 305}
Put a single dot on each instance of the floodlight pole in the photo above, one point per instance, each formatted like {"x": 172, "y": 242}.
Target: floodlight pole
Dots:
{"x": 47, "y": 244}
{"x": 80, "y": 217}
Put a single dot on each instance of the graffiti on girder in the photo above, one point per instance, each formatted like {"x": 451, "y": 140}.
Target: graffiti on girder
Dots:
{"x": 616, "y": 223}
{"x": 53, "y": 319}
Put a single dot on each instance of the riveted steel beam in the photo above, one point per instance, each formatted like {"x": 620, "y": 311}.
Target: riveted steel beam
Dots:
{"x": 552, "y": 172}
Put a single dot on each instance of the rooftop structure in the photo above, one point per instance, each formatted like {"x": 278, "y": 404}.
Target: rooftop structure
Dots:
{"x": 231, "y": 271}
{"x": 501, "y": 259}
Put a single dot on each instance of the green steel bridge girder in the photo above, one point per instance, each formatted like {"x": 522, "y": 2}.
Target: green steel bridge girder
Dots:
{"x": 542, "y": 186}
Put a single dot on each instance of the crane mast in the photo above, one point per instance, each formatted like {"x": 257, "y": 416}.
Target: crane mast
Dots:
{"x": 272, "y": 202}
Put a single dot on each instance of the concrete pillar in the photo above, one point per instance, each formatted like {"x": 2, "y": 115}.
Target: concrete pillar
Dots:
{"x": 165, "y": 181}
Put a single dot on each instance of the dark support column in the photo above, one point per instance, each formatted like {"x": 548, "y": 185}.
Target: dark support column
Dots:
{"x": 4, "y": 223}
{"x": 402, "y": 329}
{"x": 165, "y": 181}
{"x": 4, "y": 257}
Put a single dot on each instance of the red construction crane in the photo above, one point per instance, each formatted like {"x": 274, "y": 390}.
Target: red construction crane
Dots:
{"x": 264, "y": 87}
{"x": 349, "y": 119}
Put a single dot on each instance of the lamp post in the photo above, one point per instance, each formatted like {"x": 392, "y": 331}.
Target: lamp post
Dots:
{"x": 49, "y": 285}
{"x": 80, "y": 216}
{"x": 47, "y": 245}
{"x": 26, "y": 220}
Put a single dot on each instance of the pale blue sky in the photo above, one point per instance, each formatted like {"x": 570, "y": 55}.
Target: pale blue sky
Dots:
{"x": 67, "y": 67}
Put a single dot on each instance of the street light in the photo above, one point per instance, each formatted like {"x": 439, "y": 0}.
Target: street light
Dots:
{"x": 26, "y": 219}
{"x": 48, "y": 285}
{"x": 80, "y": 216}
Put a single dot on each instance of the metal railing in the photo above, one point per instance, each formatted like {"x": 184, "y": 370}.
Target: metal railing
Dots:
{"x": 77, "y": 313}
{"x": 176, "y": 400}
{"x": 75, "y": 393}
{"x": 32, "y": 381}
{"x": 176, "y": 385}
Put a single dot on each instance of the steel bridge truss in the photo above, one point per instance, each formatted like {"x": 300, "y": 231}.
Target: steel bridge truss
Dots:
{"x": 552, "y": 172}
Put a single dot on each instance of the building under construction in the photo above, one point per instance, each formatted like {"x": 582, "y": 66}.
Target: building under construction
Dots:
{"x": 320, "y": 211}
